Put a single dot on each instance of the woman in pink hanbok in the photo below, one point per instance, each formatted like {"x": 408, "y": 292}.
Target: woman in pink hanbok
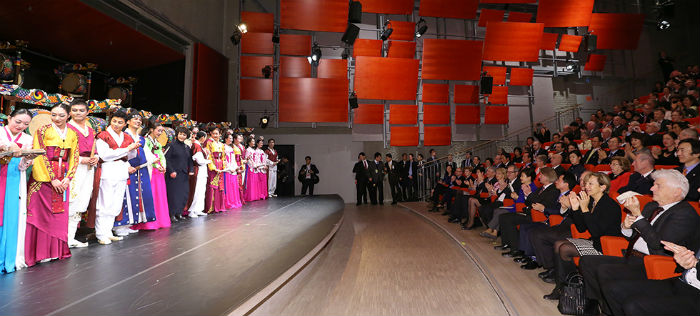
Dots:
{"x": 252, "y": 187}
{"x": 233, "y": 195}
{"x": 262, "y": 165}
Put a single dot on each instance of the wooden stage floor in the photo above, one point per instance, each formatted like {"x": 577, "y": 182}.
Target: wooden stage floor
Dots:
{"x": 402, "y": 260}
{"x": 204, "y": 266}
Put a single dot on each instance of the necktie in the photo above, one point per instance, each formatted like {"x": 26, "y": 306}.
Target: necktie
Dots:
{"x": 365, "y": 163}
{"x": 685, "y": 171}
{"x": 636, "y": 237}
{"x": 410, "y": 168}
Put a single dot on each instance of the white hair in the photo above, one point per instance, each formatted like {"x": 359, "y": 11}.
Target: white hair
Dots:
{"x": 673, "y": 178}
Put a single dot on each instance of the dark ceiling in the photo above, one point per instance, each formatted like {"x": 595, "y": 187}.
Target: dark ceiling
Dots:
{"x": 75, "y": 32}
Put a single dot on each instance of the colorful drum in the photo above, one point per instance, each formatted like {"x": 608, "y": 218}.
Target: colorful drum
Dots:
{"x": 98, "y": 124}
{"x": 74, "y": 83}
{"x": 167, "y": 137}
{"x": 40, "y": 117}
{"x": 7, "y": 69}
{"x": 119, "y": 92}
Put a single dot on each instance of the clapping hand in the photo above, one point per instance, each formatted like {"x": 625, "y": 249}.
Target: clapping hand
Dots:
{"x": 564, "y": 201}
{"x": 632, "y": 204}
{"x": 584, "y": 199}
{"x": 575, "y": 202}
{"x": 685, "y": 257}
{"x": 526, "y": 189}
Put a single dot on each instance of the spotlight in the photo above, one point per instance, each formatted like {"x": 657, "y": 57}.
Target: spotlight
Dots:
{"x": 665, "y": 11}
{"x": 267, "y": 71}
{"x": 315, "y": 56}
{"x": 238, "y": 33}
{"x": 663, "y": 25}
{"x": 386, "y": 30}
{"x": 264, "y": 121}
{"x": 573, "y": 67}
{"x": 421, "y": 27}
{"x": 353, "y": 100}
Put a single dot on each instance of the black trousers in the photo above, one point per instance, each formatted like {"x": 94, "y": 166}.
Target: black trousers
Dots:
{"x": 439, "y": 190}
{"x": 652, "y": 297}
{"x": 509, "y": 230}
{"x": 525, "y": 245}
{"x": 380, "y": 191}
{"x": 407, "y": 189}
{"x": 395, "y": 190}
{"x": 307, "y": 184}
{"x": 543, "y": 239}
{"x": 486, "y": 211}
{"x": 178, "y": 192}
{"x": 601, "y": 271}
{"x": 361, "y": 190}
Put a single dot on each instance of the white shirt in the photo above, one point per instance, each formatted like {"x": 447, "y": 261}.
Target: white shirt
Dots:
{"x": 641, "y": 245}
{"x": 113, "y": 168}
{"x": 691, "y": 277}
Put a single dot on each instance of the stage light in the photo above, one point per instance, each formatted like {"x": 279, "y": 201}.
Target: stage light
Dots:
{"x": 421, "y": 27}
{"x": 386, "y": 31}
{"x": 572, "y": 67}
{"x": 665, "y": 11}
{"x": 267, "y": 71}
{"x": 315, "y": 56}
{"x": 663, "y": 25}
{"x": 238, "y": 33}
{"x": 264, "y": 121}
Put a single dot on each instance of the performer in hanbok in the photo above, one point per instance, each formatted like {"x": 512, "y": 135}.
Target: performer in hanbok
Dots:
{"x": 239, "y": 151}
{"x": 49, "y": 190}
{"x": 81, "y": 185}
{"x": 233, "y": 193}
{"x": 138, "y": 201}
{"x": 200, "y": 174}
{"x": 252, "y": 185}
{"x": 13, "y": 184}
{"x": 262, "y": 166}
{"x": 151, "y": 131}
{"x": 216, "y": 200}
{"x": 271, "y": 154}
{"x": 115, "y": 148}
{"x": 178, "y": 166}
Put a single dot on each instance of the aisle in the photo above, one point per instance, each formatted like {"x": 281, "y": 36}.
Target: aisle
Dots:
{"x": 387, "y": 261}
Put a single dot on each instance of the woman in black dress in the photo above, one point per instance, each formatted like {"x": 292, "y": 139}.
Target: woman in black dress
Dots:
{"x": 178, "y": 159}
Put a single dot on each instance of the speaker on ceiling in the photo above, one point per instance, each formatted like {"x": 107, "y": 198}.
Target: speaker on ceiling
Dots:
{"x": 486, "y": 86}
{"x": 351, "y": 33}
{"x": 242, "y": 120}
{"x": 355, "y": 14}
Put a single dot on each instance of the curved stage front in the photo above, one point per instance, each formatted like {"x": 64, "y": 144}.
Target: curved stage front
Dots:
{"x": 210, "y": 265}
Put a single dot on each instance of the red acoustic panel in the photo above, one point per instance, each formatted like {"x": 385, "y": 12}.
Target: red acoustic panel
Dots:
{"x": 519, "y": 17}
{"x": 467, "y": 114}
{"x": 570, "y": 43}
{"x": 617, "y": 30}
{"x": 368, "y": 114}
{"x": 209, "y": 83}
{"x": 297, "y": 45}
{"x": 332, "y": 68}
{"x": 498, "y": 74}
{"x": 313, "y": 100}
{"x": 489, "y": 15}
{"x": 403, "y": 31}
{"x": 251, "y": 66}
{"x": 521, "y": 76}
{"x": 456, "y": 9}
{"x": 404, "y": 136}
{"x": 386, "y": 78}
{"x": 257, "y": 43}
{"x": 549, "y": 41}
{"x": 294, "y": 67}
{"x": 499, "y": 95}
{"x": 367, "y": 47}
{"x": 595, "y": 62}
{"x": 445, "y": 59}
{"x": 508, "y": 1}
{"x": 513, "y": 41}
{"x": 565, "y": 13}
{"x": 436, "y": 93}
{"x": 406, "y": 114}
{"x": 258, "y": 22}
{"x": 388, "y": 6}
{"x": 436, "y": 114}
{"x": 399, "y": 49}
{"x": 467, "y": 94}
{"x": 256, "y": 89}
{"x": 437, "y": 136}
{"x": 314, "y": 15}
{"x": 496, "y": 115}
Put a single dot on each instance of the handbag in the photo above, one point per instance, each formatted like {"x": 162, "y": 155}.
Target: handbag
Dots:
{"x": 573, "y": 296}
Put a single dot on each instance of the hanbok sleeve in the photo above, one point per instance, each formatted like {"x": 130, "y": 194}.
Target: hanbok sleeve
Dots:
{"x": 108, "y": 154}
{"x": 42, "y": 168}
{"x": 74, "y": 154}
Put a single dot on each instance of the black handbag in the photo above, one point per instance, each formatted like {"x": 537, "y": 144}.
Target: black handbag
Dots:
{"x": 573, "y": 296}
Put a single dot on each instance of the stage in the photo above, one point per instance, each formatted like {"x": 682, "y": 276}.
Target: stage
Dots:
{"x": 204, "y": 266}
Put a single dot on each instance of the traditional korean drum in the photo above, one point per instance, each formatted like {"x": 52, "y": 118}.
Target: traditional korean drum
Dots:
{"x": 40, "y": 117}
{"x": 98, "y": 124}
{"x": 119, "y": 92}
{"x": 74, "y": 83}
{"x": 7, "y": 69}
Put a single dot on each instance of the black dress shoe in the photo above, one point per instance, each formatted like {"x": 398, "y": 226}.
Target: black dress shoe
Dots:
{"x": 545, "y": 273}
{"x": 512, "y": 253}
{"x": 173, "y": 219}
{"x": 555, "y": 295}
{"x": 454, "y": 220}
{"x": 522, "y": 259}
{"x": 502, "y": 247}
{"x": 549, "y": 279}
{"x": 530, "y": 265}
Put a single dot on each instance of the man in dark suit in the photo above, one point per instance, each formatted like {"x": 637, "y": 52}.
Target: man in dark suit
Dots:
{"x": 640, "y": 181}
{"x": 689, "y": 155}
{"x": 674, "y": 296}
{"x": 668, "y": 218}
{"x": 486, "y": 209}
{"x": 614, "y": 150}
{"x": 546, "y": 196}
{"x": 467, "y": 162}
{"x": 376, "y": 180}
{"x": 432, "y": 171}
{"x": 408, "y": 174}
{"x": 308, "y": 176}
{"x": 450, "y": 162}
{"x": 361, "y": 171}
{"x": 592, "y": 157}
{"x": 555, "y": 160}
{"x": 653, "y": 136}
{"x": 537, "y": 149}
{"x": 618, "y": 128}
{"x": 392, "y": 171}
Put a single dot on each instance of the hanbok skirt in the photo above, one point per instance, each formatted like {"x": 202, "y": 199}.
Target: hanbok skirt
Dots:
{"x": 262, "y": 185}
{"x": 10, "y": 205}
{"x": 47, "y": 232}
{"x": 215, "y": 200}
{"x": 160, "y": 203}
{"x": 252, "y": 186}
{"x": 233, "y": 195}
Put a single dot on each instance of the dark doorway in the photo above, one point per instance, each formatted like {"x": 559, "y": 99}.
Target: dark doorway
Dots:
{"x": 286, "y": 178}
